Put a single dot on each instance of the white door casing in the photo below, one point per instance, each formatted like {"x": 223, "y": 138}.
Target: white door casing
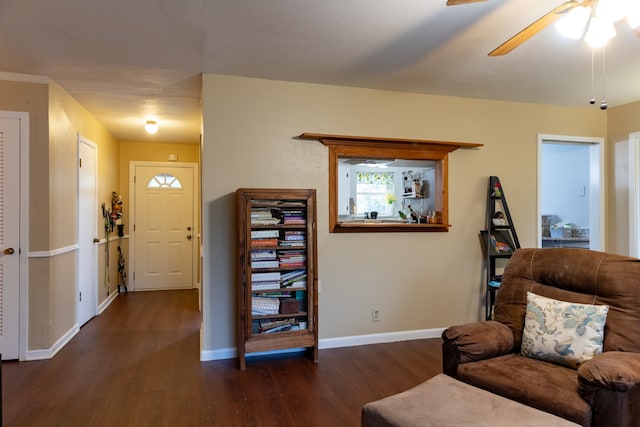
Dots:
{"x": 633, "y": 169}
{"x": 87, "y": 230}
{"x": 13, "y": 133}
{"x": 163, "y": 229}
{"x": 596, "y": 185}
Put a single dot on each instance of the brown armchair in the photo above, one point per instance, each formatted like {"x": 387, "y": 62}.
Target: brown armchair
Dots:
{"x": 603, "y": 391}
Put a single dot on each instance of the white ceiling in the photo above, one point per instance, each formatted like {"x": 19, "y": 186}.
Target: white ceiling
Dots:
{"x": 125, "y": 60}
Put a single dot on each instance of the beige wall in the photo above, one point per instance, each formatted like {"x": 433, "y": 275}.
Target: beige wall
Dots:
{"x": 417, "y": 280}
{"x": 56, "y": 292}
{"x": 33, "y": 98}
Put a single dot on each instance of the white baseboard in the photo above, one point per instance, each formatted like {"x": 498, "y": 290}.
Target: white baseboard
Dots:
{"x": 419, "y": 334}
{"x": 50, "y": 352}
{"x": 107, "y": 302}
{"x": 230, "y": 353}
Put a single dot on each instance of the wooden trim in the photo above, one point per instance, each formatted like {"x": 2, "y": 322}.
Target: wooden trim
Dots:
{"x": 389, "y": 148}
{"x": 421, "y": 144}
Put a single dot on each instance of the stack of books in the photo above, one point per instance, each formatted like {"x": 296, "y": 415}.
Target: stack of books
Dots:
{"x": 267, "y": 326}
{"x": 263, "y": 281}
{"x": 292, "y": 259}
{"x": 264, "y": 238}
{"x": 294, "y": 239}
{"x": 264, "y": 306}
{"x": 293, "y": 217}
{"x": 294, "y": 279}
{"x": 263, "y": 216}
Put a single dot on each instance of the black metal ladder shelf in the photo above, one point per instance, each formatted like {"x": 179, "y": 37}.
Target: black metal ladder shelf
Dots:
{"x": 499, "y": 240}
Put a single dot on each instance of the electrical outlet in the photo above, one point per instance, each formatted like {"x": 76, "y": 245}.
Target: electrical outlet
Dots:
{"x": 375, "y": 315}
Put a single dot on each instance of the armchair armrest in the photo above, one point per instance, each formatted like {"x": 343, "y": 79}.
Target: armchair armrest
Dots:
{"x": 610, "y": 383}
{"x": 474, "y": 341}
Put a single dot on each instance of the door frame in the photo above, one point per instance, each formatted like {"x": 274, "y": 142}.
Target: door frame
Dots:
{"x": 23, "y": 251}
{"x": 195, "y": 250}
{"x": 94, "y": 255}
{"x": 597, "y": 161}
{"x": 634, "y": 194}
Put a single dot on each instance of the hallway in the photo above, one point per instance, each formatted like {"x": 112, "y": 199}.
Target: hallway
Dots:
{"x": 138, "y": 364}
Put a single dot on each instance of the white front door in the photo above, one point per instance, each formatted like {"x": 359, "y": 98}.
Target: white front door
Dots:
{"x": 87, "y": 231}
{"x": 163, "y": 227}
{"x": 9, "y": 237}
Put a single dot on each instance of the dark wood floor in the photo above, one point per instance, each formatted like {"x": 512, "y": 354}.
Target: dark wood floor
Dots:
{"x": 138, "y": 364}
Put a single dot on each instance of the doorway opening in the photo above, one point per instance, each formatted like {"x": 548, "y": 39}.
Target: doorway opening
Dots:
{"x": 570, "y": 192}
{"x": 164, "y": 236}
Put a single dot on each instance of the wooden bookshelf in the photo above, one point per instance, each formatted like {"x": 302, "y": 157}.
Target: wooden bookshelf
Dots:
{"x": 277, "y": 296}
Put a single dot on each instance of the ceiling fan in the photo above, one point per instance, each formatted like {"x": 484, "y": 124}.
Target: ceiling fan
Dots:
{"x": 536, "y": 26}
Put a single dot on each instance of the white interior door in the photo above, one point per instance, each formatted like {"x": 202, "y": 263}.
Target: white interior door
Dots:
{"x": 163, "y": 225}
{"x": 87, "y": 231}
{"x": 9, "y": 237}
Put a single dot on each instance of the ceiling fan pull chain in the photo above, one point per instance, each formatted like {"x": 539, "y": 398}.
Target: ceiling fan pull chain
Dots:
{"x": 603, "y": 104}
{"x": 593, "y": 84}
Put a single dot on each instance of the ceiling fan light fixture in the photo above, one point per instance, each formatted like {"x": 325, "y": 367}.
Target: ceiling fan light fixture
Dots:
{"x": 574, "y": 23}
{"x": 600, "y": 32}
{"x": 151, "y": 126}
{"x": 612, "y": 10}
{"x": 633, "y": 14}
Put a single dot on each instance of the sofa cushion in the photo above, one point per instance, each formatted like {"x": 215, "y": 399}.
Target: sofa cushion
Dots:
{"x": 562, "y": 332}
{"x": 546, "y": 386}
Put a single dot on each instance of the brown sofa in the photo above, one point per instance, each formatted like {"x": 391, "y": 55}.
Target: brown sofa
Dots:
{"x": 603, "y": 391}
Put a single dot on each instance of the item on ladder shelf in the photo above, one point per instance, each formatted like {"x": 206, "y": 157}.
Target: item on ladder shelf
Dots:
{"x": 499, "y": 240}
{"x": 122, "y": 274}
{"x": 107, "y": 230}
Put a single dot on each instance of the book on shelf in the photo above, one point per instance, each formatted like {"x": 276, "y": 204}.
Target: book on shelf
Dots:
{"x": 264, "y": 216}
{"x": 292, "y": 256}
{"x": 264, "y": 234}
{"x": 292, "y": 243}
{"x": 294, "y": 235}
{"x": 300, "y": 264}
{"x": 291, "y": 274}
{"x": 266, "y": 202}
{"x": 298, "y": 284}
{"x": 263, "y": 254}
{"x": 266, "y": 326}
{"x": 293, "y": 217}
{"x": 293, "y": 259}
{"x": 289, "y": 278}
{"x": 265, "y": 264}
{"x": 255, "y": 243}
{"x": 273, "y": 293}
{"x": 272, "y": 276}
{"x": 262, "y": 286}
{"x": 264, "y": 306}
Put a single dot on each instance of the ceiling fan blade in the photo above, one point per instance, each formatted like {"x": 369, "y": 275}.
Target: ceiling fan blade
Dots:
{"x": 535, "y": 27}
{"x": 455, "y": 2}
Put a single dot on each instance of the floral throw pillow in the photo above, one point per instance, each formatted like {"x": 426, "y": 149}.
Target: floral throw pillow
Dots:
{"x": 562, "y": 332}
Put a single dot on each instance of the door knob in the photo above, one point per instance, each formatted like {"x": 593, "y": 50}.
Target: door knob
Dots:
{"x": 9, "y": 251}
{"x": 188, "y": 236}
{"x": 96, "y": 240}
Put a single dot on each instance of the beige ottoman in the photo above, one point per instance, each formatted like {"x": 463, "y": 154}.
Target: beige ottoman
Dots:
{"x": 443, "y": 401}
